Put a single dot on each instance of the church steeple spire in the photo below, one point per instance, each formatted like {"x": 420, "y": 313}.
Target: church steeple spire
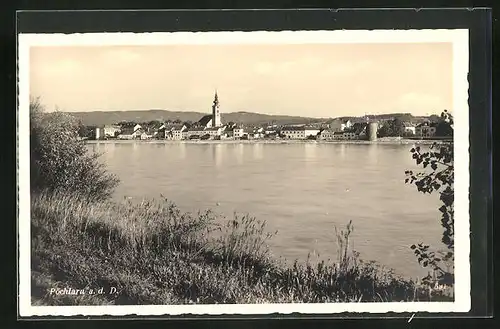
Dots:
{"x": 216, "y": 121}
{"x": 216, "y": 99}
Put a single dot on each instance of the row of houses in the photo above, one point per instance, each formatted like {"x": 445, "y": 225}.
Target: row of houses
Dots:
{"x": 359, "y": 131}
{"x": 337, "y": 130}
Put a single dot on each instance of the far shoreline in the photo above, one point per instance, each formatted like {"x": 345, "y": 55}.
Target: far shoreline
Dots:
{"x": 262, "y": 141}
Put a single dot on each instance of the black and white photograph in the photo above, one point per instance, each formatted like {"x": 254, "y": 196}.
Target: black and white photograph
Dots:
{"x": 311, "y": 172}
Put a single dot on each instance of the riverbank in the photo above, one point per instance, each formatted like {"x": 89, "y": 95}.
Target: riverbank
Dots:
{"x": 266, "y": 141}
{"x": 153, "y": 253}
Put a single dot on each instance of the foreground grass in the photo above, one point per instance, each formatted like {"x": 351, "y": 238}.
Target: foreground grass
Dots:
{"x": 154, "y": 254}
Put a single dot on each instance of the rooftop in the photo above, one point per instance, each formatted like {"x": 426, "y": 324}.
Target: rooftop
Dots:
{"x": 197, "y": 129}
{"x": 293, "y": 128}
{"x": 205, "y": 120}
{"x": 127, "y": 131}
{"x": 174, "y": 126}
{"x": 427, "y": 124}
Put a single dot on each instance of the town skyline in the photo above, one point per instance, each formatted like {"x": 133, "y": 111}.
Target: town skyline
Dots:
{"x": 369, "y": 114}
{"x": 315, "y": 81}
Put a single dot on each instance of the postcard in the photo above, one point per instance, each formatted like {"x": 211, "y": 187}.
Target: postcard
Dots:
{"x": 211, "y": 173}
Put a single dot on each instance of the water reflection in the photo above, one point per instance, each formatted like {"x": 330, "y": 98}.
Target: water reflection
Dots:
{"x": 240, "y": 153}
{"x": 310, "y": 152}
{"x": 342, "y": 182}
{"x": 182, "y": 150}
{"x": 372, "y": 152}
{"x": 257, "y": 151}
{"x": 342, "y": 151}
{"x": 135, "y": 150}
{"x": 110, "y": 149}
{"x": 217, "y": 151}
{"x": 106, "y": 150}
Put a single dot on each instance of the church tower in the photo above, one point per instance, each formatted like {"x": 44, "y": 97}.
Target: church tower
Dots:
{"x": 216, "y": 122}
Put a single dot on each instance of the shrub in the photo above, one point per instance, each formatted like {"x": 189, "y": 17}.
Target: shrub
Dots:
{"x": 59, "y": 159}
{"x": 155, "y": 254}
{"x": 437, "y": 175}
{"x": 244, "y": 239}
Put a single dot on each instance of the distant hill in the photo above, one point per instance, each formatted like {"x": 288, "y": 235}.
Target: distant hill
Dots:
{"x": 408, "y": 117}
{"x": 97, "y": 118}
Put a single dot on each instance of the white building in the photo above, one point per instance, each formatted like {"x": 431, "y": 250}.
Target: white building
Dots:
{"x": 348, "y": 135}
{"x": 99, "y": 133}
{"x": 340, "y": 125}
{"x": 409, "y": 128}
{"x": 327, "y": 134}
{"x": 145, "y": 135}
{"x": 111, "y": 130}
{"x": 177, "y": 132}
{"x": 238, "y": 132}
{"x": 194, "y": 132}
{"x": 174, "y": 131}
{"x": 299, "y": 132}
{"x": 339, "y": 135}
{"x": 213, "y": 132}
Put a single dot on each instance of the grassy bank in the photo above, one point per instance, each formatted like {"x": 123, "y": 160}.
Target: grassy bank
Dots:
{"x": 155, "y": 254}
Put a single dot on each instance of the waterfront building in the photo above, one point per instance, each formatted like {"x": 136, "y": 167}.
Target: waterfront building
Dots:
{"x": 238, "y": 132}
{"x": 99, "y": 133}
{"x": 409, "y": 128}
{"x": 194, "y": 132}
{"x": 111, "y": 130}
{"x": 214, "y": 131}
{"x": 349, "y": 135}
{"x": 145, "y": 135}
{"x": 426, "y": 129}
{"x": 131, "y": 133}
{"x": 340, "y": 125}
{"x": 326, "y": 134}
{"x": 338, "y": 135}
{"x": 299, "y": 132}
{"x": 212, "y": 120}
{"x": 174, "y": 131}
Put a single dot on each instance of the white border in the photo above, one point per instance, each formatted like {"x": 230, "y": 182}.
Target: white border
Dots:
{"x": 460, "y": 110}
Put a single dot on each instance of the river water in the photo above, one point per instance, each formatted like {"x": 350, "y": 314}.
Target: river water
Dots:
{"x": 303, "y": 190}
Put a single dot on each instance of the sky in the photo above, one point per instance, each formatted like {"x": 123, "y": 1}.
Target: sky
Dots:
{"x": 314, "y": 80}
